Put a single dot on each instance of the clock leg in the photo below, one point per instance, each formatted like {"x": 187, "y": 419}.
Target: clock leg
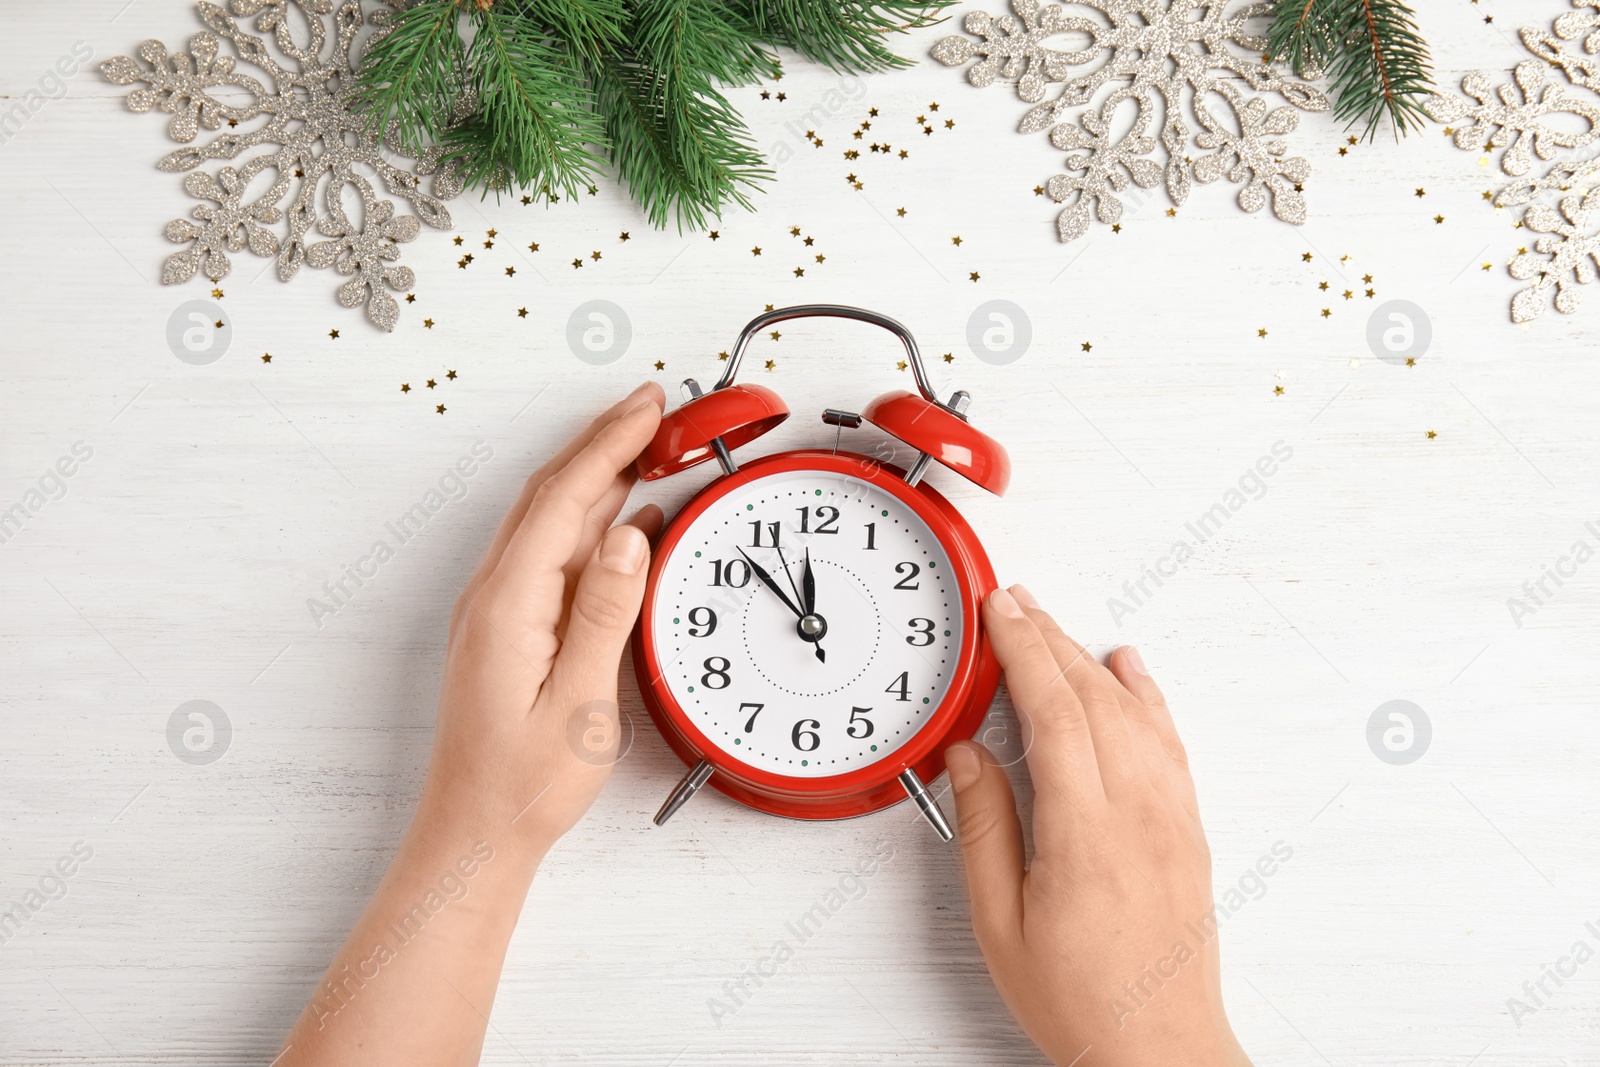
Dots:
{"x": 698, "y": 776}
{"x": 926, "y": 802}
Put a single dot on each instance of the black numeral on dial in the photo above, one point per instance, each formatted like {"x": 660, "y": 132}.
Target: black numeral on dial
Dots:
{"x": 858, "y": 717}
{"x": 703, "y": 622}
{"x": 920, "y": 628}
{"x": 910, "y": 571}
{"x": 756, "y": 532}
{"x": 716, "y": 668}
{"x": 736, "y": 573}
{"x": 750, "y": 723}
{"x": 900, "y": 687}
{"x": 805, "y": 736}
{"x": 827, "y": 518}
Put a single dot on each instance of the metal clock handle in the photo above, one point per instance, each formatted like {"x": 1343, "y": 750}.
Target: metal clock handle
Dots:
{"x": 834, "y": 311}
{"x": 957, "y": 404}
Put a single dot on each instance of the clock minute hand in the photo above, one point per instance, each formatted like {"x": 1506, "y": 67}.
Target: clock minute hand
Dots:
{"x": 808, "y": 586}
{"x": 766, "y": 580}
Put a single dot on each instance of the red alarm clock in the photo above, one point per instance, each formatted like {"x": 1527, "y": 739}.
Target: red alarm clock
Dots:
{"x": 810, "y": 640}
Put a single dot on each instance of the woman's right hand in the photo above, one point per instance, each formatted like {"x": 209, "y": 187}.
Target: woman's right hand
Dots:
{"x": 1104, "y": 947}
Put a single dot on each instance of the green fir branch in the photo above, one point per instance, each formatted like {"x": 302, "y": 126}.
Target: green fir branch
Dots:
{"x": 1375, "y": 59}
{"x": 562, "y": 87}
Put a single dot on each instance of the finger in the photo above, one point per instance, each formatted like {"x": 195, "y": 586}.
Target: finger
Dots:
{"x": 1151, "y": 706}
{"x": 991, "y": 840}
{"x": 525, "y": 592}
{"x": 1121, "y": 765}
{"x": 519, "y": 509}
{"x": 1061, "y": 757}
{"x": 603, "y": 609}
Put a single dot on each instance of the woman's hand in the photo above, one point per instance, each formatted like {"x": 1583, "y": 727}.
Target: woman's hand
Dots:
{"x": 1105, "y": 946}
{"x": 528, "y": 721}
{"x": 526, "y": 737}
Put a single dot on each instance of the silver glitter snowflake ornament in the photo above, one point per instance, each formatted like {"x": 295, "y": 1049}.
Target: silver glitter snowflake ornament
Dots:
{"x": 1166, "y": 57}
{"x": 1517, "y": 116}
{"x": 298, "y": 125}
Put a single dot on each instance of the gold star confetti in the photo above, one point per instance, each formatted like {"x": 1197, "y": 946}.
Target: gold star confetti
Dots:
{"x": 595, "y": 256}
{"x": 1367, "y": 279}
{"x": 576, "y": 263}
{"x": 872, "y": 111}
{"x": 852, "y": 154}
{"x": 218, "y": 324}
{"x": 1327, "y": 313}
{"x": 1411, "y": 361}
{"x": 411, "y": 298}
{"x": 1431, "y": 435}
{"x": 866, "y": 125}
{"x": 511, "y": 272}
{"x": 1172, "y": 212}
{"x": 850, "y": 178}
{"x": 1372, "y": 293}
{"x": 949, "y": 357}
{"x": 1486, "y": 264}
{"x": 458, "y": 238}
{"x": 810, "y": 241}
{"x": 533, "y": 247}
{"x": 405, "y": 387}
{"x": 432, "y": 383}
{"x": 216, "y": 294}
{"x": 1488, "y": 195}
{"x": 1277, "y": 390}
{"x": 488, "y": 244}
{"x": 821, "y": 258}
{"x": 1116, "y": 227}
{"x": 775, "y": 333}
{"x": 1438, "y": 218}
{"x": 526, "y": 200}
{"x": 756, "y": 251}
{"x": 1353, "y": 139}
{"x": 769, "y": 307}
{"x": 1323, "y": 286}
{"x": 440, "y": 409}
{"x": 799, "y": 272}
{"x": 901, "y": 365}
{"x": 623, "y": 236}
{"x": 1343, "y": 151}
{"x": 771, "y": 363}
{"x": 900, "y": 211}
{"x": 334, "y": 334}
{"x": 933, "y": 106}
{"x": 956, "y": 240}
{"x": 1344, "y": 259}
{"x": 782, "y": 97}
{"x": 1038, "y": 190}
{"x": 904, "y": 154}
{"x": 492, "y": 233}
{"x": 1086, "y": 346}
{"x": 949, "y": 124}
{"x": 794, "y": 231}
{"x": 522, "y": 313}
{"x": 1305, "y": 257}
{"x": 722, "y": 356}
{"x": 973, "y": 276}
{"x": 765, "y": 95}
{"x": 714, "y": 235}
{"x": 1422, "y": 192}
{"x": 1261, "y": 332}
{"x": 266, "y": 357}
{"x": 450, "y": 374}
{"x": 427, "y": 323}
{"x": 660, "y": 365}
{"x": 1349, "y": 294}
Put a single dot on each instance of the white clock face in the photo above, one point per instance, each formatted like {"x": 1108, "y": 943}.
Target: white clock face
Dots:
{"x": 808, "y": 677}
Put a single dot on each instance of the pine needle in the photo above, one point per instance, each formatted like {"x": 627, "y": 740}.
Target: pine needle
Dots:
{"x": 1375, "y": 58}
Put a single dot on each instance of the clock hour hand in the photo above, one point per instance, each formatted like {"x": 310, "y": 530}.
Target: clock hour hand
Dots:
{"x": 808, "y": 587}
{"x": 766, "y": 580}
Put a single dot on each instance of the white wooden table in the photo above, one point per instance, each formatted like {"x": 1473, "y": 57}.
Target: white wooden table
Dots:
{"x": 1377, "y": 565}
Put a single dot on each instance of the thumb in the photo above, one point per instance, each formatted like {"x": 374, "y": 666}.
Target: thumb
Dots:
{"x": 604, "y": 606}
{"x": 991, "y": 839}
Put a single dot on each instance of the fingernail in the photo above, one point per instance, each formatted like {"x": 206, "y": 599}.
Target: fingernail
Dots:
{"x": 1131, "y": 657}
{"x": 1005, "y": 604}
{"x": 624, "y": 549}
{"x": 963, "y": 765}
{"x": 1024, "y": 597}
